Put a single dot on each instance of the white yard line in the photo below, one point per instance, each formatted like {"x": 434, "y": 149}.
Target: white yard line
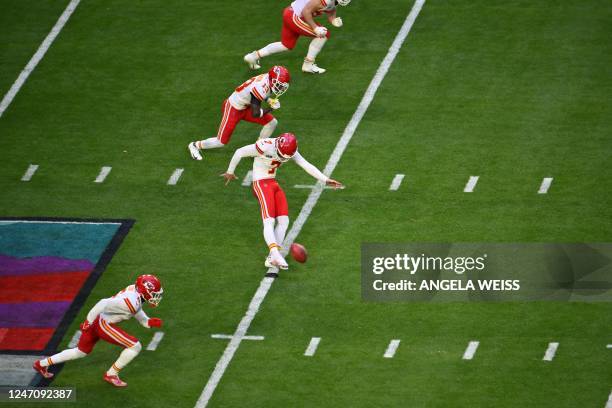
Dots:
{"x": 609, "y": 346}
{"x": 609, "y": 403}
{"x": 75, "y": 339}
{"x": 397, "y": 182}
{"x": 38, "y": 55}
{"x": 471, "y": 350}
{"x": 546, "y": 182}
{"x": 312, "y": 199}
{"x": 157, "y": 337}
{"x": 391, "y": 348}
{"x": 312, "y": 346}
{"x": 174, "y": 178}
{"x": 471, "y": 184}
{"x": 29, "y": 172}
{"x": 550, "y": 351}
{"x": 248, "y": 179}
{"x": 229, "y": 337}
{"x": 104, "y": 171}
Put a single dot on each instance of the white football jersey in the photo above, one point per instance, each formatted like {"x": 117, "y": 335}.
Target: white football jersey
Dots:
{"x": 326, "y": 6}
{"x": 258, "y": 86}
{"x": 122, "y": 306}
{"x": 267, "y": 160}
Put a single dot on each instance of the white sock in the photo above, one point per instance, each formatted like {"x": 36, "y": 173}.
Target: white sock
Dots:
{"x": 314, "y": 48}
{"x": 268, "y": 128}
{"x": 66, "y": 355}
{"x": 268, "y": 233}
{"x": 282, "y": 223}
{"x": 124, "y": 359}
{"x": 210, "y": 143}
{"x": 270, "y": 49}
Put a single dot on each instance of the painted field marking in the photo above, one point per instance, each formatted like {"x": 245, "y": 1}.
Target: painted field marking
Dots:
{"x": 471, "y": 350}
{"x": 75, "y": 339}
{"x": 471, "y": 184}
{"x": 609, "y": 346}
{"x": 104, "y": 171}
{"x": 313, "y": 186}
{"x": 312, "y": 346}
{"x": 609, "y": 403}
{"x": 157, "y": 338}
{"x": 391, "y": 348}
{"x": 3, "y": 333}
{"x": 230, "y": 337}
{"x": 313, "y": 197}
{"x": 174, "y": 178}
{"x": 546, "y": 182}
{"x": 550, "y": 351}
{"x": 248, "y": 179}
{"x": 397, "y": 182}
{"x": 38, "y": 55}
{"x": 27, "y": 176}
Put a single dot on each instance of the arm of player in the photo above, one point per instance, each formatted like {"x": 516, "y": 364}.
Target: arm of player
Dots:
{"x": 309, "y": 11}
{"x": 246, "y": 151}
{"x": 256, "y": 110}
{"x": 314, "y": 172}
{"x": 147, "y": 321}
{"x": 93, "y": 313}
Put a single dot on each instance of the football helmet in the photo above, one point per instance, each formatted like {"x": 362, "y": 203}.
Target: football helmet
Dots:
{"x": 286, "y": 145}
{"x": 279, "y": 79}
{"x": 343, "y": 2}
{"x": 150, "y": 288}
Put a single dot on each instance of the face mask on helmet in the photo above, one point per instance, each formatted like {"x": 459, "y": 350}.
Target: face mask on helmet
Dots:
{"x": 278, "y": 87}
{"x": 343, "y": 2}
{"x": 156, "y": 297}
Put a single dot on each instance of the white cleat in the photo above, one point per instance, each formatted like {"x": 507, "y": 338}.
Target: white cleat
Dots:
{"x": 312, "y": 68}
{"x": 276, "y": 261}
{"x": 194, "y": 151}
{"x": 252, "y": 60}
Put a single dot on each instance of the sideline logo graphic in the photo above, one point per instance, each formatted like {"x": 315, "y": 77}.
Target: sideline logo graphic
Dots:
{"x": 48, "y": 267}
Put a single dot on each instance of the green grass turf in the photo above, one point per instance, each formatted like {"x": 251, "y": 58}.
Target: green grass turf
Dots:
{"x": 511, "y": 91}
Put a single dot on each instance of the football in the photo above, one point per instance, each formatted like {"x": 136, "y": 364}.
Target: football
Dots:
{"x": 298, "y": 252}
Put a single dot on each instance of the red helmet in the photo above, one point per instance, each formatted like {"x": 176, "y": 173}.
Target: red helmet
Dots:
{"x": 286, "y": 145}
{"x": 279, "y": 79}
{"x": 150, "y": 288}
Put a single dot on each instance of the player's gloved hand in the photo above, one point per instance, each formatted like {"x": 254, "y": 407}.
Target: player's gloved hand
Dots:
{"x": 337, "y": 22}
{"x": 228, "y": 177}
{"x": 85, "y": 326}
{"x": 333, "y": 183}
{"x": 320, "y": 31}
{"x": 274, "y": 103}
{"x": 155, "y": 322}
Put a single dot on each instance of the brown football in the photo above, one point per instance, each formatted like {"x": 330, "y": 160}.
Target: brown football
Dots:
{"x": 298, "y": 252}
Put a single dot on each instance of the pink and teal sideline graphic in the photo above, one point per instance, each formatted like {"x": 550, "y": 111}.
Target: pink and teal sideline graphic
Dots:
{"x": 47, "y": 269}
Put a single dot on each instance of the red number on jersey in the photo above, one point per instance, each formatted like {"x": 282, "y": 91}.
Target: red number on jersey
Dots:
{"x": 273, "y": 166}
{"x": 249, "y": 82}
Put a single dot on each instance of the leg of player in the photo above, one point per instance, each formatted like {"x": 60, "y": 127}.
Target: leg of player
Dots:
{"x": 252, "y": 58}
{"x": 127, "y": 355}
{"x": 268, "y": 129}
{"x": 275, "y": 258}
{"x": 282, "y": 223}
{"x": 316, "y": 45}
{"x": 66, "y": 355}
{"x": 230, "y": 119}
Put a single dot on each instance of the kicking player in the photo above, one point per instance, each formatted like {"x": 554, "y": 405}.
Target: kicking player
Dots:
{"x": 269, "y": 155}
{"x": 101, "y": 324}
{"x": 298, "y": 20}
{"x": 245, "y": 104}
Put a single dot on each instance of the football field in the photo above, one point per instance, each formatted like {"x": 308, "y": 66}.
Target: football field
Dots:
{"x": 494, "y": 119}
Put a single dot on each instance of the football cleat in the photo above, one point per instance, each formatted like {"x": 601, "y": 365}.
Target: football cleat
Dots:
{"x": 252, "y": 60}
{"x": 312, "y": 68}
{"x": 194, "y": 151}
{"x": 114, "y": 380}
{"x": 42, "y": 370}
{"x": 276, "y": 260}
